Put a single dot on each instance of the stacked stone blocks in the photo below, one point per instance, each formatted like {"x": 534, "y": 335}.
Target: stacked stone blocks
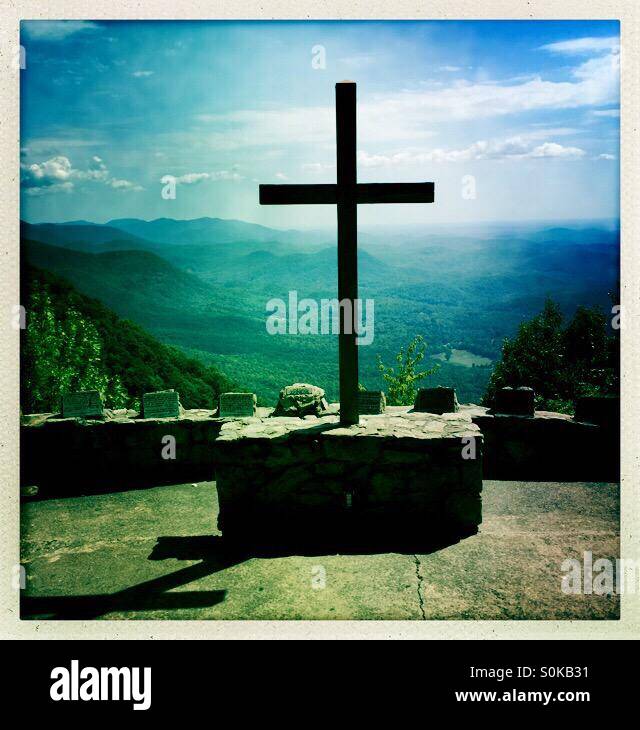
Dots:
{"x": 390, "y": 473}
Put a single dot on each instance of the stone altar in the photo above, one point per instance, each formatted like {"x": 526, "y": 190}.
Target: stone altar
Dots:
{"x": 399, "y": 472}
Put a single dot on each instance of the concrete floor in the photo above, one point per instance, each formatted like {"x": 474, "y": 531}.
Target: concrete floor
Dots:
{"x": 151, "y": 554}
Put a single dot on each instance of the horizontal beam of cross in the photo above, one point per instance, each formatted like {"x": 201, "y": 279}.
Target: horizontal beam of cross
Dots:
{"x": 364, "y": 193}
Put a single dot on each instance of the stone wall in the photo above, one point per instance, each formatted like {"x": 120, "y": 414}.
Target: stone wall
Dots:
{"x": 396, "y": 473}
{"x": 548, "y": 447}
{"x": 73, "y": 456}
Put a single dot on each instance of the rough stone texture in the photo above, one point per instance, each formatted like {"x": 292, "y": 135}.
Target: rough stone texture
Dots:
{"x": 301, "y": 399}
{"x": 73, "y": 456}
{"x": 82, "y": 404}
{"x": 602, "y": 410}
{"x": 371, "y": 402}
{"x": 515, "y": 401}
{"x": 547, "y": 447}
{"x": 161, "y": 404}
{"x": 401, "y": 472}
{"x": 237, "y": 405}
{"x": 436, "y": 400}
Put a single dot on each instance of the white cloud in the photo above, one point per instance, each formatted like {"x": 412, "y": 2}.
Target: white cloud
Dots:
{"x": 606, "y": 113}
{"x": 226, "y": 175}
{"x": 192, "y": 178}
{"x": 584, "y": 45}
{"x": 450, "y": 69}
{"x": 56, "y": 30}
{"x": 594, "y": 82}
{"x": 142, "y": 74}
{"x": 124, "y": 185}
{"x": 513, "y": 148}
{"x": 281, "y": 176}
{"x": 553, "y": 149}
{"x": 97, "y": 170}
{"x": 605, "y": 156}
{"x": 410, "y": 116}
{"x": 53, "y": 175}
{"x": 58, "y": 175}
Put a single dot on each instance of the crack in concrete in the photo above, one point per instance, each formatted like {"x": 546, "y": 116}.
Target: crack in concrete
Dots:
{"x": 419, "y": 588}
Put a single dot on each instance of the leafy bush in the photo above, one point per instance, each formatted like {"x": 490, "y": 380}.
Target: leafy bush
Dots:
{"x": 401, "y": 382}
{"x": 62, "y": 353}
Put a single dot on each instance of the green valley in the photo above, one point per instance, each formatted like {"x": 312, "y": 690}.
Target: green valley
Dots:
{"x": 202, "y": 286}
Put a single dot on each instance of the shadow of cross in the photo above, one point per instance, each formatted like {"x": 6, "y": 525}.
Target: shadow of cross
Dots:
{"x": 151, "y": 595}
{"x": 347, "y": 194}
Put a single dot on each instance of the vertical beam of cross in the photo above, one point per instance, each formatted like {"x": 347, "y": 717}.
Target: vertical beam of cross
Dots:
{"x": 347, "y": 194}
{"x": 347, "y": 248}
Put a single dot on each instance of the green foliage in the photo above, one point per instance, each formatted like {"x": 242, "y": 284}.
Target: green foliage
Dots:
{"x": 401, "y": 381}
{"x": 207, "y": 298}
{"x": 74, "y": 342}
{"x": 62, "y": 352}
{"x": 559, "y": 363}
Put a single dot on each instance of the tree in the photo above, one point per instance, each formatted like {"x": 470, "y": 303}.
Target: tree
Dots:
{"x": 559, "y": 363}
{"x": 402, "y": 389}
{"x": 62, "y": 353}
{"x": 534, "y": 357}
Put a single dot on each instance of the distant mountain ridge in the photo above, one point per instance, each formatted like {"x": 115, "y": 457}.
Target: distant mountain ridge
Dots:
{"x": 81, "y": 236}
{"x": 155, "y": 235}
{"x": 198, "y": 230}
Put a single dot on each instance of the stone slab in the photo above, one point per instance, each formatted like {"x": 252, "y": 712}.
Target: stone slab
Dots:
{"x": 436, "y": 400}
{"x": 602, "y": 410}
{"x": 237, "y": 405}
{"x": 515, "y": 401}
{"x": 82, "y": 404}
{"x": 161, "y": 404}
{"x": 371, "y": 402}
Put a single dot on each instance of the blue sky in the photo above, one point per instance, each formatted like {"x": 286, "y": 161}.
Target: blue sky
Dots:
{"x": 528, "y": 109}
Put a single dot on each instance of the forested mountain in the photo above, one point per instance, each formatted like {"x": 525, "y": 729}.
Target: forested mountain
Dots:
{"x": 114, "y": 355}
{"x": 203, "y": 285}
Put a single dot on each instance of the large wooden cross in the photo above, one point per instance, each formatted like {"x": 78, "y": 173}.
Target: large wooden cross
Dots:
{"x": 347, "y": 194}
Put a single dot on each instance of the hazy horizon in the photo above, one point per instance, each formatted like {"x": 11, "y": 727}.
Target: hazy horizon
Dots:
{"x": 450, "y": 225}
